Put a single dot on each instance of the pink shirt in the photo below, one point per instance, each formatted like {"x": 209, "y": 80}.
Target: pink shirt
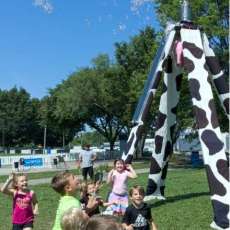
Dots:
{"x": 22, "y": 208}
{"x": 120, "y": 182}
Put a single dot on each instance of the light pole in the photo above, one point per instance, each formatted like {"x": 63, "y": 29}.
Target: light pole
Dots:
{"x": 44, "y": 141}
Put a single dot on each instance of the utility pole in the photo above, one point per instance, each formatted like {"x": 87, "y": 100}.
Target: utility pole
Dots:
{"x": 44, "y": 141}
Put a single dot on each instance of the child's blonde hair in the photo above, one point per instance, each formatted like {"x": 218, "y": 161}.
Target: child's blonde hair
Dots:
{"x": 73, "y": 219}
{"x": 15, "y": 179}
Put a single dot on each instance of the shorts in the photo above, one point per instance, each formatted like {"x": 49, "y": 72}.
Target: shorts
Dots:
{"x": 87, "y": 171}
{"x": 121, "y": 203}
{"x": 21, "y": 226}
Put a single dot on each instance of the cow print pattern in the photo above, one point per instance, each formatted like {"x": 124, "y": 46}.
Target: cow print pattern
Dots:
{"x": 163, "y": 136}
{"x": 219, "y": 77}
{"x": 199, "y": 61}
{"x": 206, "y": 117}
{"x": 137, "y": 130}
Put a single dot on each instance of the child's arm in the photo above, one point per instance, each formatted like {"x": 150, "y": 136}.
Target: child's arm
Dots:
{"x": 131, "y": 173}
{"x": 127, "y": 220}
{"x": 91, "y": 205}
{"x": 127, "y": 227}
{"x": 152, "y": 224}
{"x": 35, "y": 204}
{"x": 6, "y": 186}
{"x": 98, "y": 185}
{"x": 110, "y": 177}
{"x": 106, "y": 204}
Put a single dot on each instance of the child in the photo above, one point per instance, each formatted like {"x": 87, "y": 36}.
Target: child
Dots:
{"x": 67, "y": 184}
{"x": 138, "y": 214}
{"x": 25, "y": 204}
{"x": 89, "y": 190}
{"x": 118, "y": 178}
{"x": 74, "y": 219}
{"x": 104, "y": 222}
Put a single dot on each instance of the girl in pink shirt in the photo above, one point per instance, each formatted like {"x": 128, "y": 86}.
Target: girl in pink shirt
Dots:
{"x": 118, "y": 178}
{"x": 25, "y": 204}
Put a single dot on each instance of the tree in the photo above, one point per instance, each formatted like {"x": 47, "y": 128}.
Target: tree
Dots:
{"x": 93, "y": 138}
{"x": 212, "y": 15}
{"x": 94, "y": 96}
{"x": 135, "y": 58}
{"x": 17, "y": 113}
{"x": 57, "y": 133}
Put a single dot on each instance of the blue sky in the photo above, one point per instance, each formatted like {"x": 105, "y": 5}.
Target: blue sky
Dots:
{"x": 43, "y": 41}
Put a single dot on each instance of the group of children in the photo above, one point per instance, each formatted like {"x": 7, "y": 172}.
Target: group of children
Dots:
{"x": 84, "y": 214}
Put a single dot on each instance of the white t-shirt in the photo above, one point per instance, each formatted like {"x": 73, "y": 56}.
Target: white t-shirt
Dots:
{"x": 86, "y": 156}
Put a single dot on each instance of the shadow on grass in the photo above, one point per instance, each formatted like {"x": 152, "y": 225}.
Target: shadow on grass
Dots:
{"x": 185, "y": 166}
{"x": 173, "y": 199}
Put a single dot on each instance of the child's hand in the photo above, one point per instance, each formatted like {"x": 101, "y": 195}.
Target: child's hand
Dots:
{"x": 92, "y": 202}
{"x": 130, "y": 227}
{"x": 35, "y": 212}
{"x": 112, "y": 172}
{"x": 97, "y": 184}
{"x": 114, "y": 202}
{"x": 11, "y": 176}
{"x": 127, "y": 167}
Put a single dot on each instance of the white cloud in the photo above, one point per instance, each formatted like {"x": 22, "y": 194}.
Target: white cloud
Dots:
{"x": 121, "y": 27}
{"x": 45, "y": 5}
{"x": 87, "y": 22}
{"x": 135, "y": 4}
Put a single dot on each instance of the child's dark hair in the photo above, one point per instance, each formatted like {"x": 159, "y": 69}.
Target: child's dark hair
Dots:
{"x": 118, "y": 160}
{"x": 84, "y": 187}
{"x": 103, "y": 222}
{"x": 59, "y": 181}
{"x": 140, "y": 189}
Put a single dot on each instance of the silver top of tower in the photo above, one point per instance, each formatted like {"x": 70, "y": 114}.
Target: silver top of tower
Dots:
{"x": 185, "y": 11}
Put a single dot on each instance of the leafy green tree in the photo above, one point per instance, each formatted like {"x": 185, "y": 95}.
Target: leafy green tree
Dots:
{"x": 57, "y": 134}
{"x": 212, "y": 15}
{"x": 93, "y": 138}
{"x": 94, "y": 96}
{"x": 17, "y": 113}
{"x": 135, "y": 58}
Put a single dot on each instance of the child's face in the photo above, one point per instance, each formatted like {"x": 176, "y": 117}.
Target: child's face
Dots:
{"x": 91, "y": 188}
{"x": 22, "y": 182}
{"x": 137, "y": 198}
{"x": 119, "y": 166}
{"x": 73, "y": 184}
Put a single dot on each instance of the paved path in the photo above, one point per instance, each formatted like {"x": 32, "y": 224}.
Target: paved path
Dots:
{"x": 71, "y": 165}
{"x": 6, "y": 170}
{"x": 48, "y": 179}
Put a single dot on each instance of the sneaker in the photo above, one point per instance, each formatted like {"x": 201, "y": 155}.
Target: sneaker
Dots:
{"x": 215, "y": 226}
{"x": 152, "y": 197}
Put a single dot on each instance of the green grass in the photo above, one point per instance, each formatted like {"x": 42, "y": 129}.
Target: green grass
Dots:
{"x": 187, "y": 207}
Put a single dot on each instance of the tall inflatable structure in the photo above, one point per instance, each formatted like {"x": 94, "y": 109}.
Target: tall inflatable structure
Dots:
{"x": 185, "y": 47}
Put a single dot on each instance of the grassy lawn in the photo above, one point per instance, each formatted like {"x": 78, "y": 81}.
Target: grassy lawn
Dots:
{"x": 187, "y": 206}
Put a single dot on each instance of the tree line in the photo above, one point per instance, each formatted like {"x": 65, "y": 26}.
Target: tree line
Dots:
{"x": 104, "y": 95}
